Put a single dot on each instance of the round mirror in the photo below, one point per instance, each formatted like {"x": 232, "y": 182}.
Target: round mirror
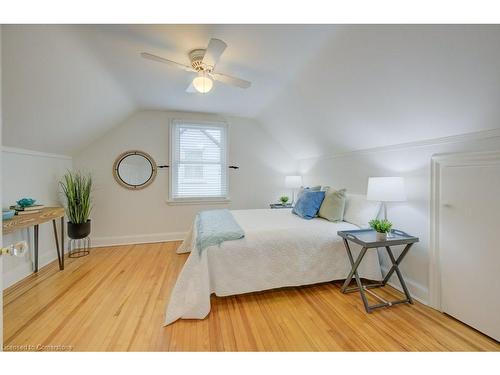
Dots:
{"x": 134, "y": 169}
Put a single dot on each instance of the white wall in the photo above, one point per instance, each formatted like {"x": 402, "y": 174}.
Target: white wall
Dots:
{"x": 31, "y": 174}
{"x": 125, "y": 216}
{"x": 411, "y": 161}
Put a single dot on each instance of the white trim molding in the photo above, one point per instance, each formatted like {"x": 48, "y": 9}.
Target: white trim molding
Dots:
{"x": 22, "y": 151}
{"x": 438, "y": 162}
{"x": 206, "y": 202}
{"x": 138, "y": 239}
{"x": 467, "y": 137}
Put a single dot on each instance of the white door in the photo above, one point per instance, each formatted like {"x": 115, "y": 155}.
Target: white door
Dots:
{"x": 469, "y": 245}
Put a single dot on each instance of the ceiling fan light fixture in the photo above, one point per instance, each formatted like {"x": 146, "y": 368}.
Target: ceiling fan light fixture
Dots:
{"x": 203, "y": 62}
{"x": 202, "y": 83}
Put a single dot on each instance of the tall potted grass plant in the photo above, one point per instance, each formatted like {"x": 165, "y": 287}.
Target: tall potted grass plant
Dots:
{"x": 77, "y": 189}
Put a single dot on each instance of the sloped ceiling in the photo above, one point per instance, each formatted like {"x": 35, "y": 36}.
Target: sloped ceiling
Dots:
{"x": 66, "y": 85}
{"x": 56, "y": 96}
{"x": 268, "y": 56}
{"x": 316, "y": 89}
{"x": 374, "y": 86}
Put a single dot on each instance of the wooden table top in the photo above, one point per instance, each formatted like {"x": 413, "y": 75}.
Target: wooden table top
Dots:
{"x": 19, "y": 222}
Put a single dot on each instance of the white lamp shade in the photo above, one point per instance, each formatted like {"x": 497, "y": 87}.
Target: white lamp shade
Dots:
{"x": 293, "y": 182}
{"x": 202, "y": 83}
{"x": 386, "y": 189}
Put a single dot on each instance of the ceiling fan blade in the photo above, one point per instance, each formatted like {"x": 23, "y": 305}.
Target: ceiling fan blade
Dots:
{"x": 191, "y": 89}
{"x": 166, "y": 61}
{"x": 228, "y": 80}
{"x": 214, "y": 50}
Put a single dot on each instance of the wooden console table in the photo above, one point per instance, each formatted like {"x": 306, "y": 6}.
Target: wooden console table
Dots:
{"x": 46, "y": 214}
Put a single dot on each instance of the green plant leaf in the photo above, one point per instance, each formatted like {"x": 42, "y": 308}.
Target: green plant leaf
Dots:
{"x": 381, "y": 226}
{"x": 284, "y": 199}
{"x": 77, "y": 189}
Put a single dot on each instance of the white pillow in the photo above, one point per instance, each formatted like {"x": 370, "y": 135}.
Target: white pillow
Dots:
{"x": 359, "y": 211}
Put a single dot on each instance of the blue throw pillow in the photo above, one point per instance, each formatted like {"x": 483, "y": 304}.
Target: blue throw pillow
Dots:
{"x": 308, "y": 204}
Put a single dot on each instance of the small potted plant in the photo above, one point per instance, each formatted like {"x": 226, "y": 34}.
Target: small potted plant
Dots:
{"x": 284, "y": 199}
{"x": 77, "y": 188}
{"x": 382, "y": 227}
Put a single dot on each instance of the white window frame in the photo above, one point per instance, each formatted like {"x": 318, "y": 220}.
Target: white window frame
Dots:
{"x": 172, "y": 169}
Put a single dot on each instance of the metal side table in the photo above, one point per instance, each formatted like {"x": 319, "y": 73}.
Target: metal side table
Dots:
{"x": 368, "y": 240}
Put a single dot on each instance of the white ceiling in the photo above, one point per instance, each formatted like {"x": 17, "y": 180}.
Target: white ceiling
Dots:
{"x": 268, "y": 56}
{"x": 317, "y": 89}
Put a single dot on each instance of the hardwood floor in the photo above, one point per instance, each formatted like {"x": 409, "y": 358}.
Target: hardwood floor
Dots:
{"x": 115, "y": 299}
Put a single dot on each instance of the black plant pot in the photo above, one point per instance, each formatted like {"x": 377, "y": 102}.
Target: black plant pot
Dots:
{"x": 77, "y": 231}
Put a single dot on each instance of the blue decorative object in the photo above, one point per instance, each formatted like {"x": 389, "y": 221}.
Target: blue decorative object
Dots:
{"x": 308, "y": 204}
{"x": 8, "y": 214}
{"x": 25, "y": 202}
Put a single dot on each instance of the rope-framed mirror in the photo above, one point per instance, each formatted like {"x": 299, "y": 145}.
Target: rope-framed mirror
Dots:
{"x": 134, "y": 169}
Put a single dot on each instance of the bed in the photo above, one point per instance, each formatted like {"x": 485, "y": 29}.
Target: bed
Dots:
{"x": 279, "y": 249}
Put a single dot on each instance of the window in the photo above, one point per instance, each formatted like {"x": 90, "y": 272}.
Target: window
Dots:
{"x": 198, "y": 169}
{"x": 193, "y": 173}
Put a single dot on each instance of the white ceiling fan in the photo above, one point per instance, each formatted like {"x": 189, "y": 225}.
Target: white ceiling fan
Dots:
{"x": 203, "y": 63}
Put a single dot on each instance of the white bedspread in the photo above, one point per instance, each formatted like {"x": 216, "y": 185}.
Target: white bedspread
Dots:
{"x": 279, "y": 249}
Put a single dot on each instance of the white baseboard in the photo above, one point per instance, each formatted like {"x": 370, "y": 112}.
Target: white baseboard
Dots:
{"x": 417, "y": 291}
{"x": 137, "y": 239}
{"x": 25, "y": 269}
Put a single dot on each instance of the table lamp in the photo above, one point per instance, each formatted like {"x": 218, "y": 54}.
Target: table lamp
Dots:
{"x": 293, "y": 182}
{"x": 386, "y": 189}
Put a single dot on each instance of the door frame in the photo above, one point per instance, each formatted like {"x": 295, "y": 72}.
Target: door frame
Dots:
{"x": 438, "y": 162}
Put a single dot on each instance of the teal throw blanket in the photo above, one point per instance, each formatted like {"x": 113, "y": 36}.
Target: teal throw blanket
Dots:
{"x": 216, "y": 226}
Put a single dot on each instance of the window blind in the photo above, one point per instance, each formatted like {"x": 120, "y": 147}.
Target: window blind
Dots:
{"x": 198, "y": 160}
